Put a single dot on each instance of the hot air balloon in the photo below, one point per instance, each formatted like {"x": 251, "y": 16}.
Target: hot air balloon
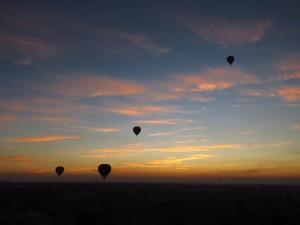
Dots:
{"x": 59, "y": 170}
{"x": 137, "y": 130}
{"x": 104, "y": 170}
{"x": 230, "y": 59}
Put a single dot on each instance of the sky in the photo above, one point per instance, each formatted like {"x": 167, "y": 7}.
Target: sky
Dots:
{"x": 76, "y": 76}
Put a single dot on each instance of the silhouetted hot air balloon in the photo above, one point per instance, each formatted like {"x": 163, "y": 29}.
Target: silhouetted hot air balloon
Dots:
{"x": 59, "y": 170}
{"x": 104, "y": 170}
{"x": 137, "y": 130}
{"x": 230, "y": 59}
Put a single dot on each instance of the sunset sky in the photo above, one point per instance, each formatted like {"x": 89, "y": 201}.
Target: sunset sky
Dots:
{"x": 75, "y": 77}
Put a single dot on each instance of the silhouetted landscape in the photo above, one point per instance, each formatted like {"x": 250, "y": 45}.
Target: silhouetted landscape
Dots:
{"x": 142, "y": 203}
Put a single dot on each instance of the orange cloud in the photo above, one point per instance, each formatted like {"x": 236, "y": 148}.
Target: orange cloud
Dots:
{"x": 110, "y": 152}
{"x": 231, "y": 33}
{"x": 212, "y": 80}
{"x": 102, "y": 129}
{"x": 290, "y": 67}
{"x": 196, "y": 148}
{"x": 139, "y": 110}
{"x": 49, "y": 138}
{"x": 7, "y": 118}
{"x": 13, "y": 159}
{"x": 289, "y": 93}
{"x": 41, "y": 105}
{"x": 88, "y": 85}
{"x": 168, "y": 162}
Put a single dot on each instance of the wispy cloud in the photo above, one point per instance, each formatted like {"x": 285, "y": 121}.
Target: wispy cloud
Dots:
{"x": 138, "y": 40}
{"x": 158, "y": 122}
{"x": 289, "y": 67}
{"x": 167, "y": 133}
{"x": 231, "y": 32}
{"x": 168, "y": 162}
{"x": 7, "y": 118}
{"x": 102, "y": 129}
{"x": 212, "y": 80}
{"x": 92, "y": 85}
{"x": 117, "y": 151}
{"x": 48, "y": 138}
{"x": 296, "y": 126}
{"x": 23, "y": 48}
{"x": 140, "y": 110}
{"x": 40, "y": 105}
{"x": 289, "y": 93}
{"x": 196, "y": 148}
{"x": 14, "y": 159}
{"x": 275, "y": 144}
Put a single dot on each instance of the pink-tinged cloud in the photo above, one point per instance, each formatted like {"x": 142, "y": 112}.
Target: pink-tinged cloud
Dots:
{"x": 258, "y": 92}
{"x": 41, "y": 105}
{"x": 141, "y": 110}
{"x": 137, "y": 40}
{"x": 87, "y": 85}
{"x": 158, "y": 122}
{"x": 289, "y": 93}
{"x": 14, "y": 159}
{"x": 48, "y": 138}
{"x": 7, "y": 118}
{"x": 22, "y": 48}
{"x": 212, "y": 80}
{"x": 290, "y": 68}
{"x": 230, "y": 33}
{"x": 296, "y": 126}
{"x": 102, "y": 129}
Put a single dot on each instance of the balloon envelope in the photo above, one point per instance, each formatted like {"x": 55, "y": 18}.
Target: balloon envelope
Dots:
{"x": 59, "y": 170}
{"x": 230, "y": 59}
{"x": 104, "y": 170}
{"x": 137, "y": 130}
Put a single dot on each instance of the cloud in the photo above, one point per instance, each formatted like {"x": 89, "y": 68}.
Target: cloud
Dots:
{"x": 168, "y": 162}
{"x": 196, "y": 148}
{"x": 167, "y": 133}
{"x": 230, "y": 33}
{"x": 276, "y": 144}
{"x": 289, "y": 93}
{"x": 102, "y": 129}
{"x": 49, "y": 138}
{"x": 212, "y": 80}
{"x": 290, "y": 68}
{"x": 110, "y": 152}
{"x": 23, "y": 48}
{"x": 139, "y": 110}
{"x": 158, "y": 122}
{"x": 7, "y": 118}
{"x": 258, "y": 92}
{"x": 137, "y": 40}
{"x": 40, "y": 105}
{"x": 14, "y": 159}
{"x": 296, "y": 126}
{"x": 89, "y": 85}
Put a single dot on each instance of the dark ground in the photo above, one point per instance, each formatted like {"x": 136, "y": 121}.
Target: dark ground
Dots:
{"x": 155, "y": 204}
